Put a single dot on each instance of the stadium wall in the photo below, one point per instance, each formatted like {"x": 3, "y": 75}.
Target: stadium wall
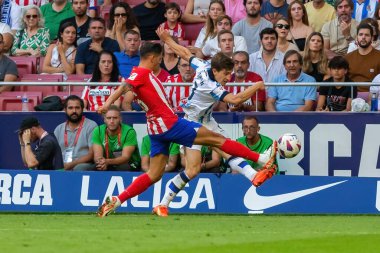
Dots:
{"x": 58, "y": 191}
{"x": 333, "y": 144}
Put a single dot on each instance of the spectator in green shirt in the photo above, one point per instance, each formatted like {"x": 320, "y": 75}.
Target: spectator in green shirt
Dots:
{"x": 115, "y": 144}
{"x": 54, "y": 13}
{"x": 173, "y": 161}
{"x": 253, "y": 140}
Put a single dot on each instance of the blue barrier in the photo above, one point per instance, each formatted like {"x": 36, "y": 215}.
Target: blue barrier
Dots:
{"x": 57, "y": 191}
{"x": 333, "y": 144}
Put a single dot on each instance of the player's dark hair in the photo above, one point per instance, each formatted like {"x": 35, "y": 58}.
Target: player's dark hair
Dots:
{"x": 290, "y": 53}
{"x": 149, "y": 48}
{"x": 220, "y": 61}
{"x": 338, "y": 62}
{"x": 268, "y": 31}
{"x": 97, "y": 75}
{"x": 73, "y": 98}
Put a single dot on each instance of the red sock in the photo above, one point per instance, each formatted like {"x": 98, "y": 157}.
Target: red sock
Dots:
{"x": 239, "y": 150}
{"x": 138, "y": 186}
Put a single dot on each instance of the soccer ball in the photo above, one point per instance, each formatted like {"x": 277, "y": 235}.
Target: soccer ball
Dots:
{"x": 289, "y": 145}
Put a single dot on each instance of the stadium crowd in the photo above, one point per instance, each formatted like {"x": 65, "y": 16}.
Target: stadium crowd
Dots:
{"x": 269, "y": 40}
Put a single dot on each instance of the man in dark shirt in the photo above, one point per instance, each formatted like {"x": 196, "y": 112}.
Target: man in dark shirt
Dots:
{"x": 47, "y": 154}
{"x": 81, "y": 21}
{"x": 150, "y": 15}
{"x": 88, "y": 51}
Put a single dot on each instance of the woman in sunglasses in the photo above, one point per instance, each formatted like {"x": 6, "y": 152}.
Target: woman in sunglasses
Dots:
{"x": 60, "y": 56}
{"x": 282, "y": 28}
{"x": 33, "y": 39}
{"x": 121, "y": 20}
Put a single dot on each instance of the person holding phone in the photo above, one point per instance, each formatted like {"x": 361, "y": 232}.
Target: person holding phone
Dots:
{"x": 60, "y": 56}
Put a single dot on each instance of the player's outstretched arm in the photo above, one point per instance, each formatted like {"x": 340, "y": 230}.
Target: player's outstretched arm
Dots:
{"x": 244, "y": 95}
{"x": 122, "y": 89}
{"x": 179, "y": 50}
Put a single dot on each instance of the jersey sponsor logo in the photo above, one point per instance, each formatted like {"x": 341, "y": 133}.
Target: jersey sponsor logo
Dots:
{"x": 255, "y": 202}
{"x": 132, "y": 76}
{"x": 97, "y": 92}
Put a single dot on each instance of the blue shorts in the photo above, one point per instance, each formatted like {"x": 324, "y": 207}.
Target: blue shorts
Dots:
{"x": 183, "y": 132}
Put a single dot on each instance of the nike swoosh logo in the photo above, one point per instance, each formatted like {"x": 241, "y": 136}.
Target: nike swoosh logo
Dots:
{"x": 256, "y": 202}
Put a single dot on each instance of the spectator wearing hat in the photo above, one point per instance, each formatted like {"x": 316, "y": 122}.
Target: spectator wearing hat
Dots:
{"x": 46, "y": 154}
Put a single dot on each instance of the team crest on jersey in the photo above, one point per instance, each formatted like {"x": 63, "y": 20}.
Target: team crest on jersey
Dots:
{"x": 98, "y": 92}
{"x": 132, "y": 76}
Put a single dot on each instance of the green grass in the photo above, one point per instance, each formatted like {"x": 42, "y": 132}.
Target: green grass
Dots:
{"x": 188, "y": 233}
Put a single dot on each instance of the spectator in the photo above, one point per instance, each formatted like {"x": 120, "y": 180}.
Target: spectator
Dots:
{"x": 375, "y": 41}
{"x": 173, "y": 160}
{"x": 292, "y": 98}
{"x": 54, "y": 13}
{"x": 149, "y": 16}
{"x": 216, "y": 8}
{"x": 130, "y": 57}
{"x": 235, "y": 9}
{"x": 299, "y": 24}
{"x": 336, "y": 98}
{"x": 177, "y": 94}
{"x": 223, "y": 22}
{"x": 273, "y": 10}
{"x": 282, "y": 28}
{"x": 242, "y": 75}
{"x": 252, "y": 25}
{"x": 339, "y": 32}
{"x": 81, "y": 21}
{"x": 7, "y": 34}
{"x": 105, "y": 71}
{"x": 115, "y": 144}
{"x": 172, "y": 24}
{"x": 319, "y": 12}
{"x": 88, "y": 51}
{"x": 267, "y": 62}
{"x": 60, "y": 56}
{"x": 121, "y": 20}
{"x": 253, "y": 139}
{"x": 11, "y": 14}
{"x": 47, "y": 154}
{"x": 364, "y": 9}
{"x": 8, "y": 69}
{"x": 374, "y": 89}
{"x": 196, "y": 11}
{"x": 75, "y": 136}
{"x": 314, "y": 58}
{"x": 170, "y": 60}
{"x": 34, "y": 37}
{"x": 364, "y": 62}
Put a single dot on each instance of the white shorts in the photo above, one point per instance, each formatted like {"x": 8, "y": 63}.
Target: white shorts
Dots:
{"x": 210, "y": 125}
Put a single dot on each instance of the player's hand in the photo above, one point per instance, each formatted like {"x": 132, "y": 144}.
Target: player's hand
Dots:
{"x": 102, "y": 109}
{"x": 163, "y": 34}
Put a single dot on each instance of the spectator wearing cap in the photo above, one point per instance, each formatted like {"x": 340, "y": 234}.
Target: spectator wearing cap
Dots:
{"x": 75, "y": 136}
{"x": 46, "y": 154}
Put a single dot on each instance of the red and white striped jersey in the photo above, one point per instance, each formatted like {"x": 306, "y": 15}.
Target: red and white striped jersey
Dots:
{"x": 177, "y": 31}
{"x": 97, "y": 95}
{"x": 39, "y": 3}
{"x": 176, "y": 94}
{"x": 151, "y": 96}
{"x": 251, "y": 77}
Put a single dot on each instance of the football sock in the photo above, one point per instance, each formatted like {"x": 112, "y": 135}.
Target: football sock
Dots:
{"x": 138, "y": 186}
{"x": 242, "y": 166}
{"x": 239, "y": 150}
{"x": 177, "y": 184}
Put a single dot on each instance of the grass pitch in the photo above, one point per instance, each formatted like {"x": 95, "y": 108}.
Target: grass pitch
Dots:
{"x": 188, "y": 233}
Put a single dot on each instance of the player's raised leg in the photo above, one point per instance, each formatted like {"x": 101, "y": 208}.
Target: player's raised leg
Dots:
{"x": 139, "y": 185}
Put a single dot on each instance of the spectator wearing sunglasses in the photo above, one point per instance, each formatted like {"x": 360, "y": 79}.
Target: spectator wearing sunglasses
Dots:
{"x": 282, "y": 28}
{"x": 33, "y": 39}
